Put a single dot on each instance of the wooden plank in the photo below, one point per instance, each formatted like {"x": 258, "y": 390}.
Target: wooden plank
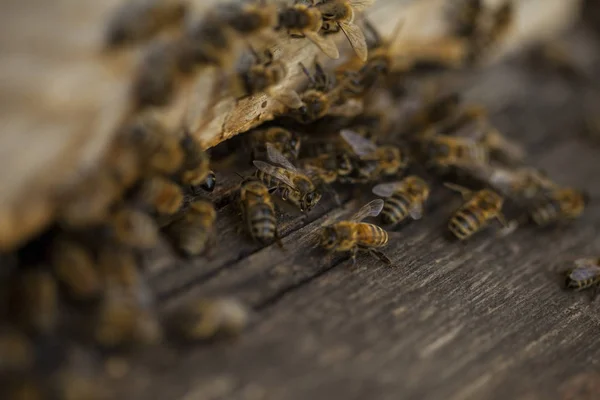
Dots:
{"x": 481, "y": 320}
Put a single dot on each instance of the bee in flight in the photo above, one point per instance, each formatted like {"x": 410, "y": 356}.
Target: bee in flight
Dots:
{"x": 301, "y": 20}
{"x": 479, "y": 208}
{"x": 403, "y": 199}
{"x": 374, "y": 161}
{"x": 339, "y": 15}
{"x": 558, "y": 205}
{"x": 258, "y": 211}
{"x": 352, "y": 235}
{"x": 292, "y": 184}
{"x": 585, "y": 275}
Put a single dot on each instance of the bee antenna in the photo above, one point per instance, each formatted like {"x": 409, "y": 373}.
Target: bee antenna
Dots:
{"x": 307, "y": 73}
{"x": 240, "y": 175}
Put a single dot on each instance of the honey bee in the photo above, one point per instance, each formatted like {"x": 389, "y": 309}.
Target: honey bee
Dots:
{"x": 435, "y": 112}
{"x": 292, "y": 184}
{"x": 558, "y": 205}
{"x": 192, "y": 233}
{"x": 206, "y": 319}
{"x": 36, "y": 301}
{"x": 119, "y": 269}
{"x": 479, "y": 208}
{"x": 159, "y": 150}
{"x": 136, "y": 21}
{"x": 353, "y": 236}
{"x": 16, "y": 352}
{"x": 162, "y": 195}
{"x": 195, "y": 172}
{"x": 258, "y": 211}
{"x": 329, "y": 167}
{"x": 403, "y": 199}
{"x": 75, "y": 267}
{"x": 374, "y": 161}
{"x": 300, "y": 20}
{"x": 285, "y": 141}
{"x": 585, "y": 275}
{"x": 443, "y": 151}
{"x": 133, "y": 228}
{"x": 248, "y": 19}
{"x": 339, "y": 15}
{"x": 488, "y": 35}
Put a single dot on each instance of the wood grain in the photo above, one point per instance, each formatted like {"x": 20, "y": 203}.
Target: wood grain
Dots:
{"x": 481, "y": 320}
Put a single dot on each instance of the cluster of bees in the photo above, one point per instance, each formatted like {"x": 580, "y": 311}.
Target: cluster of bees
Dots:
{"x": 86, "y": 267}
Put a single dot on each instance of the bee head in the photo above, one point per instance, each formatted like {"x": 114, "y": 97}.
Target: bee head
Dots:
{"x": 329, "y": 237}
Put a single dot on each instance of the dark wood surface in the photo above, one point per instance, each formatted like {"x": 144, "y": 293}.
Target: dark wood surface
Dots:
{"x": 486, "y": 319}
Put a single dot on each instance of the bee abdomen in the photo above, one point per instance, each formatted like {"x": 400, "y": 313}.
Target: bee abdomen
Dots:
{"x": 262, "y": 223}
{"x": 372, "y": 236}
{"x": 395, "y": 209}
{"x": 464, "y": 224}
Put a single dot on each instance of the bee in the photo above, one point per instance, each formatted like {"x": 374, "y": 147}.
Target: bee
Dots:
{"x": 159, "y": 149}
{"x": 16, "y": 352}
{"x": 339, "y": 15}
{"x": 435, "y": 112}
{"x": 353, "y": 236}
{"x": 329, "y": 167}
{"x": 258, "y": 211}
{"x": 300, "y": 20}
{"x": 36, "y": 301}
{"x": 585, "y": 275}
{"x": 195, "y": 172}
{"x": 501, "y": 22}
{"x": 192, "y": 233}
{"x": 119, "y": 269}
{"x": 136, "y": 21}
{"x": 292, "y": 184}
{"x": 403, "y": 199}
{"x": 161, "y": 195}
{"x": 285, "y": 141}
{"x": 479, "y": 208}
{"x": 374, "y": 161}
{"x": 558, "y": 205}
{"x": 74, "y": 266}
{"x": 207, "y": 42}
{"x": 206, "y": 319}
{"x": 132, "y": 227}
{"x": 248, "y": 19}
{"x": 443, "y": 151}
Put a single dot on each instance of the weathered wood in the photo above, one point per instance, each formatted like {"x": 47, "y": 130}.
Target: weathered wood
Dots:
{"x": 481, "y": 320}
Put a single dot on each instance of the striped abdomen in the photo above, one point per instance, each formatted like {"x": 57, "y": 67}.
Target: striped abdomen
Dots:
{"x": 369, "y": 235}
{"x": 465, "y": 222}
{"x": 261, "y": 222}
{"x": 395, "y": 208}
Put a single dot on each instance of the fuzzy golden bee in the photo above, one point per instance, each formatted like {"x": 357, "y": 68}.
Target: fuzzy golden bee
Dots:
{"x": 193, "y": 232}
{"x": 250, "y": 18}
{"x": 478, "y": 210}
{"x": 329, "y": 167}
{"x": 585, "y": 275}
{"x": 74, "y": 266}
{"x": 442, "y": 151}
{"x": 352, "y": 235}
{"x": 403, "y": 199}
{"x": 207, "y": 319}
{"x": 258, "y": 211}
{"x": 195, "y": 172}
{"x": 301, "y": 20}
{"x": 293, "y": 185}
{"x": 161, "y": 195}
{"x": 136, "y": 21}
{"x": 284, "y": 140}
{"x": 435, "y": 111}
{"x": 374, "y": 162}
{"x": 339, "y": 15}
{"x": 558, "y": 205}
{"x": 118, "y": 267}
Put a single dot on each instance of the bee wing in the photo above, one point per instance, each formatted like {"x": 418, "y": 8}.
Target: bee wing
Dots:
{"x": 361, "y": 146}
{"x": 386, "y": 189}
{"x": 582, "y": 273}
{"x": 326, "y": 44}
{"x": 357, "y": 39}
{"x": 360, "y": 5}
{"x": 288, "y": 98}
{"x": 371, "y": 209}
{"x": 278, "y": 158}
{"x": 416, "y": 211}
{"x": 274, "y": 171}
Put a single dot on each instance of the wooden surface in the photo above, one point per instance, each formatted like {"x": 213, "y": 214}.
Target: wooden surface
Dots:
{"x": 482, "y": 320}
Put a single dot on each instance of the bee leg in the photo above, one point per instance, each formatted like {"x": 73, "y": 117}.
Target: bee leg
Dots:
{"x": 354, "y": 252}
{"x": 380, "y": 256}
